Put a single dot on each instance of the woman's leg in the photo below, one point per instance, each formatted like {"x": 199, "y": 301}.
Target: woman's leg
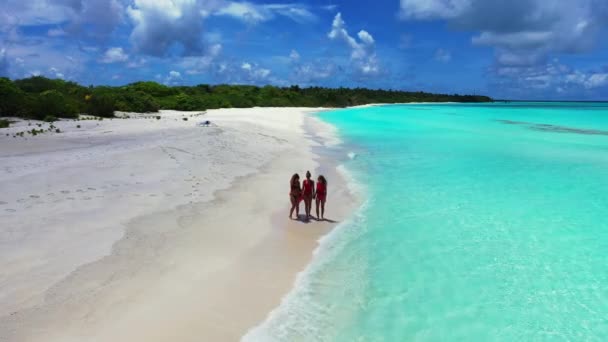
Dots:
{"x": 317, "y": 207}
{"x": 308, "y": 206}
{"x": 322, "y": 209}
{"x": 293, "y": 206}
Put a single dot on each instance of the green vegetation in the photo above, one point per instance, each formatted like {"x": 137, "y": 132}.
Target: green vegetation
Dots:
{"x": 42, "y": 98}
{"x": 4, "y": 123}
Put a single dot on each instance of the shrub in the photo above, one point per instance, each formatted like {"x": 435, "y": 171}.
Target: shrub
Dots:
{"x": 101, "y": 104}
{"x": 4, "y": 123}
{"x": 50, "y": 118}
{"x": 130, "y": 100}
{"x": 53, "y": 103}
{"x": 11, "y": 98}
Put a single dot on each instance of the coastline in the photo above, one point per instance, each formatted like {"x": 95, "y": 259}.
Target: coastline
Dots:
{"x": 172, "y": 269}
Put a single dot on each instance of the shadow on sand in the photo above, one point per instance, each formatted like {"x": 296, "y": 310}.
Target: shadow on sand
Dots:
{"x": 302, "y": 218}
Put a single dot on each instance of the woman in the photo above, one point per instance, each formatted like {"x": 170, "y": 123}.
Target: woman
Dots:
{"x": 321, "y": 196}
{"x": 295, "y": 195}
{"x": 308, "y": 193}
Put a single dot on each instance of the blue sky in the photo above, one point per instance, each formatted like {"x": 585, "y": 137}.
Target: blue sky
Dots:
{"x": 517, "y": 49}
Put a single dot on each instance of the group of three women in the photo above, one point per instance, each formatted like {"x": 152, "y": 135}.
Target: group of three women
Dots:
{"x": 307, "y": 192}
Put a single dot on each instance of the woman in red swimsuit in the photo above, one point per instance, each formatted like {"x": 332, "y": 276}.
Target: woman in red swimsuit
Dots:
{"x": 295, "y": 195}
{"x": 321, "y": 196}
{"x": 308, "y": 193}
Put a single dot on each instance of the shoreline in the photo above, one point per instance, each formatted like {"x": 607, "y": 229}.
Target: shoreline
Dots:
{"x": 117, "y": 297}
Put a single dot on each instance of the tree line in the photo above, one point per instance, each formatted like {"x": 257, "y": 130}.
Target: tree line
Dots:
{"x": 39, "y": 97}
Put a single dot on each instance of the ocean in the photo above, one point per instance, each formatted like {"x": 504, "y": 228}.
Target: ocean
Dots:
{"x": 480, "y": 222}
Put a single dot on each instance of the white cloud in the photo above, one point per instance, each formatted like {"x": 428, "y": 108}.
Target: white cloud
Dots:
{"x": 3, "y": 63}
{"x": 173, "y": 78}
{"x": 294, "y": 56}
{"x": 255, "y": 13}
{"x": 243, "y": 10}
{"x": 363, "y": 55}
{"x": 56, "y": 32}
{"x": 526, "y": 81}
{"x": 443, "y": 56}
{"x": 96, "y": 18}
{"x": 433, "y": 9}
{"x": 254, "y": 74}
{"x": 195, "y": 65}
{"x": 159, "y": 25}
{"x": 365, "y": 37}
{"x": 114, "y": 55}
{"x": 242, "y": 73}
{"x": 522, "y": 31}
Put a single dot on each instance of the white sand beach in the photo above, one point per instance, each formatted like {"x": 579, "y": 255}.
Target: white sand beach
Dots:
{"x": 146, "y": 229}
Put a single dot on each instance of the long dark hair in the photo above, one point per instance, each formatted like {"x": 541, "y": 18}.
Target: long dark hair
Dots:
{"x": 293, "y": 178}
{"x": 322, "y": 180}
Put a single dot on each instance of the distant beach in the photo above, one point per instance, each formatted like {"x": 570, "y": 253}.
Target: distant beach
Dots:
{"x": 153, "y": 228}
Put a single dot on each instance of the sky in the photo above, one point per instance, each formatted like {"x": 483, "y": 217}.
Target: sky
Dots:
{"x": 516, "y": 49}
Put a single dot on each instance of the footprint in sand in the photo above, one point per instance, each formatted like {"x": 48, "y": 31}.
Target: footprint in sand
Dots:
{"x": 50, "y": 194}
{"x": 65, "y": 191}
{"x": 10, "y": 210}
{"x": 34, "y": 196}
{"x": 3, "y": 203}
{"x": 21, "y": 200}
{"x": 152, "y": 195}
{"x": 91, "y": 188}
{"x": 86, "y": 198}
{"x": 79, "y": 190}
{"x": 70, "y": 198}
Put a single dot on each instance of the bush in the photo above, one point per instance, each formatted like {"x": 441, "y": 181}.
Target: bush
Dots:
{"x": 100, "y": 104}
{"x": 50, "y": 118}
{"x": 4, "y": 123}
{"x": 53, "y": 103}
{"x": 12, "y": 99}
{"x": 129, "y": 100}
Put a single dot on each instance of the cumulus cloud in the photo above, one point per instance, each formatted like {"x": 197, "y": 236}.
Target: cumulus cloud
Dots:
{"x": 310, "y": 72}
{"x": 114, "y": 55}
{"x": 162, "y": 25}
{"x": 195, "y": 65}
{"x": 519, "y": 28}
{"x": 243, "y": 73}
{"x": 96, "y": 18}
{"x": 173, "y": 78}
{"x": 253, "y": 74}
{"x": 443, "y": 56}
{"x": 552, "y": 77}
{"x": 363, "y": 55}
{"x": 526, "y": 36}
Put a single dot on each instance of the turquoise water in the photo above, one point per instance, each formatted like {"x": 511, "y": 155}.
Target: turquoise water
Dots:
{"x": 482, "y": 222}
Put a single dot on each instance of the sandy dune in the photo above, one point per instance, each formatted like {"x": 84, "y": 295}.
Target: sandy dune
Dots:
{"x": 156, "y": 230}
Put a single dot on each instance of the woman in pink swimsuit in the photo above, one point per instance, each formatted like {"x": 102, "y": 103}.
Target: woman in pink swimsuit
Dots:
{"x": 321, "y": 196}
{"x": 308, "y": 193}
